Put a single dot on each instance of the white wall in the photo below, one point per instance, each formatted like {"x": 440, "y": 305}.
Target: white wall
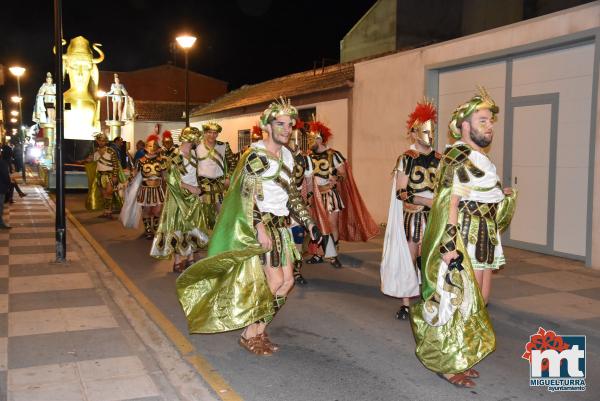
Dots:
{"x": 141, "y": 129}
{"x": 333, "y": 113}
{"x": 387, "y": 88}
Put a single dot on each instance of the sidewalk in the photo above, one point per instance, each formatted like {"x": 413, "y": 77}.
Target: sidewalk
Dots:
{"x": 62, "y": 335}
{"x": 552, "y": 292}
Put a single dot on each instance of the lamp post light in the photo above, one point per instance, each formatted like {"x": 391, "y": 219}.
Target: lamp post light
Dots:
{"x": 186, "y": 42}
{"x": 14, "y": 113}
{"x": 15, "y": 99}
{"x": 18, "y": 72}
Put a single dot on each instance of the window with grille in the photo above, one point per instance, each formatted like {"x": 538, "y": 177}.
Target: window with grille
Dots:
{"x": 244, "y": 139}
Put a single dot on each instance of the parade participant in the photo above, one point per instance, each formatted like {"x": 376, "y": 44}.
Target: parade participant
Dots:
{"x": 216, "y": 162}
{"x": 461, "y": 246}
{"x": 169, "y": 149}
{"x": 412, "y": 195}
{"x": 180, "y": 230}
{"x": 119, "y": 94}
{"x": 248, "y": 271}
{"x": 302, "y": 172}
{"x": 334, "y": 192}
{"x": 104, "y": 176}
{"x": 146, "y": 189}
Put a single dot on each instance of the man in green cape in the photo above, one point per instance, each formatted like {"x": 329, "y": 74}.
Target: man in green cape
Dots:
{"x": 460, "y": 249}
{"x": 247, "y": 274}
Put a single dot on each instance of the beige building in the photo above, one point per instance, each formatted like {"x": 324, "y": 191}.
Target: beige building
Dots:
{"x": 544, "y": 74}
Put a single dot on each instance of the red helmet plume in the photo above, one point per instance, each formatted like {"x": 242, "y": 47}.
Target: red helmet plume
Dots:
{"x": 319, "y": 127}
{"x": 153, "y": 137}
{"x": 299, "y": 124}
{"x": 167, "y": 134}
{"x": 424, "y": 111}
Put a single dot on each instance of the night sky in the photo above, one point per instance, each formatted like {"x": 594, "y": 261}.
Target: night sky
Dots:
{"x": 240, "y": 41}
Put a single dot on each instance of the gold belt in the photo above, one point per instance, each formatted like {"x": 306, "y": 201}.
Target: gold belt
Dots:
{"x": 324, "y": 188}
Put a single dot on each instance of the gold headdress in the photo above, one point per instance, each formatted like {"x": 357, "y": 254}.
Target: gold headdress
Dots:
{"x": 212, "y": 126}
{"x": 48, "y": 75}
{"x": 481, "y": 101}
{"x": 190, "y": 134}
{"x": 100, "y": 135}
{"x": 281, "y": 107}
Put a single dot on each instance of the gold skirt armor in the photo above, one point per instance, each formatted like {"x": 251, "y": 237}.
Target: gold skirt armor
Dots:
{"x": 151, "y": 192}
{"x": 479, "y": 232}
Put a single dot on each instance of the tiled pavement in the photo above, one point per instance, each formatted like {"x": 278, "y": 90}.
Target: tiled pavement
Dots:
{"x": 61, "y": 337}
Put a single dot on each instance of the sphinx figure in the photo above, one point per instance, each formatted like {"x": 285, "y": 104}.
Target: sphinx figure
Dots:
{"x": 79, "y": 63}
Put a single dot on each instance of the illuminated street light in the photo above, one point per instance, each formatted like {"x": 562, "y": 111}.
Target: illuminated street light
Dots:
{"x": 13, "y": 120}
{"x": 18, "y": 72}
{"x": 100, "y": 93}
{"x": 14, "y": 113}
{"x": 15, "y": 99}
{"x": 186, "y": 42}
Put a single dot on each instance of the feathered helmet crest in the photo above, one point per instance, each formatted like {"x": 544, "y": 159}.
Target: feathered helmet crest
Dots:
{"x": 422, "y": 121}
{"x": 280, "y": 107}
{"x": 212, "y": 126}
{"x": 256, "y": 133}
{"x": 153, "y": 138}
{"x": 299, "y": 124}
{"x": 480, "y": 101}
{"x": 167, "y": 135}
{"x": 317, "y": 129}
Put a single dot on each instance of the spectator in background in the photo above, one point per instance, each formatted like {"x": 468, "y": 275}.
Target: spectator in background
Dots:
{"x": 5, "y": 185}
{"x": 8, "y": 156}
{"x": 118, "y": 145}
{"x": 139, "y": 151}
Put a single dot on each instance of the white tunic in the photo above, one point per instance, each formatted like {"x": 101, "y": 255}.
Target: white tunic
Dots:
{"x": 469, "y": 191}
{"x": 106, "y": 158}
{"x": 207, "y": 167}
{"x": 189, "y": 177}
{"x": 275, "y": 198}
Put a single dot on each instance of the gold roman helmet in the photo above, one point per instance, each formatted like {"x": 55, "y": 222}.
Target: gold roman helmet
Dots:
{"x": 212, "y": 126}
{"x": 480, "y": 101}
{"x": 421, "y": 122}
{"x": 190, "y": 134}
{"x": 281, "y": 107}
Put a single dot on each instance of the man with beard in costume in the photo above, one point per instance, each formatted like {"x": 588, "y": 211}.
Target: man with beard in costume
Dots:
{"x": 414, "y": 178}
{"x": 461, "y": 248}
{"x": 180, "y": 233}
{"x": 216, "y": 163}
{"x": 245, "y": 279}
{"x": 104, "y": 175}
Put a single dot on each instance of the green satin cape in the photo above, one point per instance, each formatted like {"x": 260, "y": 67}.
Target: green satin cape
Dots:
{"x": 228, "y": 290}
{"x": 465, "y": 339}
{"x": 183, "y": 227}
{"x": 94, "y": 198}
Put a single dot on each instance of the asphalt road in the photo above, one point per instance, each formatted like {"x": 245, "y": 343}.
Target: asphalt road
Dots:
{"x": 338, "y": 335}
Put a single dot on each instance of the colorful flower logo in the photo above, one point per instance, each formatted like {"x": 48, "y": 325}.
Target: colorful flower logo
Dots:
{"x": 542, "y": 341}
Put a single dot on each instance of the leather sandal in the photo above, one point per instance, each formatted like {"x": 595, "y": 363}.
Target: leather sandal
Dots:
{"x": 255, "y": 345}
{"x": 315, "y": 260}
{"x": 459, "y": 380}
{"x": 471, "y": 373}
{"x": 267, "y": 342}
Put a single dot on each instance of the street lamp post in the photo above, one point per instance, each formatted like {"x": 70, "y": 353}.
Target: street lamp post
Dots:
{"x": 18, "y": 72}
{"x": 186, "y": 42}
